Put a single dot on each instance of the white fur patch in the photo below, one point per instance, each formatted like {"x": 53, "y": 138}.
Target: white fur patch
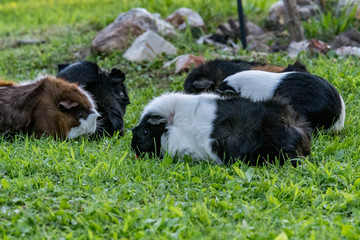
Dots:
{"x": 339, "y": 124}
{"x": 254, "y": 84}
{"x": 190, "y": 124}
{"x": 86, "y": 127}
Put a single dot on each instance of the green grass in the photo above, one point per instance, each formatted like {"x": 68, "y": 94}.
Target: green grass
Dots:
{"x": 85, "y": 189}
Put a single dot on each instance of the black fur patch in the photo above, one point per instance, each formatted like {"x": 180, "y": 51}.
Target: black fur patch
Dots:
{"x": 147, "y": 135}
{"x": 311, "y": 96}
{"x": 214, "y": 71}
{"x": 108, "y": 89}
{"x": 259, "y": 132}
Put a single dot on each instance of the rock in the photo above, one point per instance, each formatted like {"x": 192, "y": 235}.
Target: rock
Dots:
{"x": 146, "y": 21}
{"x": 185, "y": 62}
{"x": 259, "y": 43}
{"x": 231, "y": 30}
{"x": 312, "y": 45}
{"x": 318, "y": 46}
{"x": 345, "y": 51}
{"x": 228, "y": 32}
{"x": 29, "y": 41}
{"x": 276, "y": 14}
{"x": 253, "y": 29}
{"x": 348, "y": 38}
{"x": 147, "y": 46}
{"x": 207, "y": 39}
{"x": 297, "y": 47}
{"x": 178, "y": 18}
{"x": 116, "y": 36}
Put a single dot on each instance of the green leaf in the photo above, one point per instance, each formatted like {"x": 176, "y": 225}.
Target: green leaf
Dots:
{"x": 5, "y": 183}
{"x": 250, "y": 173}
{"x": 177, "y": 211}
{"x": 239, "y": 171}
{"x": 281, "y": 236}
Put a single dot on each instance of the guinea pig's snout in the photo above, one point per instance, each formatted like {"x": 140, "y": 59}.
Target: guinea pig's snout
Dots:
{"x": 122, "y": 132}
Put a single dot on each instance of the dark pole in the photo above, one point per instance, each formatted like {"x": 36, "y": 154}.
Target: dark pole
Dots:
{"x": 242, "y": 25}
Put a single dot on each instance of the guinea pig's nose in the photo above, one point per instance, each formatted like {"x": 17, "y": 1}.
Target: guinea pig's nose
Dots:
{"x": 122, "y": 132}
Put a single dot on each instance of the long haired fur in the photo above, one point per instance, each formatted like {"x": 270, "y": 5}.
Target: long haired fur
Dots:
{"x": 48, "y": 106}
{"x": 310, "y": 95}
{"x": 108, "y": 89}
{"x": 208, "y": 127}
{"x": 208, "y": 76}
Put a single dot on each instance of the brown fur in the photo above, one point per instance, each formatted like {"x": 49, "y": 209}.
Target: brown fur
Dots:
{"x": 45, "y": 107}
{"x": 4, "y": 83}
{"x": 269, "y": 68}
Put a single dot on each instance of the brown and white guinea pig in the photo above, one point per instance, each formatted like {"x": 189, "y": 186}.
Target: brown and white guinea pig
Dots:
{"x": 207, "y": 126}
{"x": 108, "y": 89}
{"x": 310, "y": 95}
{"x": 49, "y": 106}
{"x": 208, "y": 76}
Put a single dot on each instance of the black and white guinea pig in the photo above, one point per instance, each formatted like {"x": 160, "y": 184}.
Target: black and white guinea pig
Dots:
{"x": 47, "y": 107}
{"x": 207, "y": 126}
{"x": 310, "y": 95}
{"x": 208, "y": 76}
{"x": 108, "y": 89}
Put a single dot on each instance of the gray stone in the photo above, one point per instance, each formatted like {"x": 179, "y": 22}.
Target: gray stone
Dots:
{"x": 345, "y": 51}
{"x": 116, "y": 36}
{"x": 312, "y": 45}
{"x": 184, "y": 62}
{"x": 254, "y": 29}
{"x": 297, "y": 47}
{"x": 259, "y": 43}
{"x": 347, "y": 38}
{"x": 178, "y": 18}
{"x": 147, "y": 21}
{"x": 147, "y": 46}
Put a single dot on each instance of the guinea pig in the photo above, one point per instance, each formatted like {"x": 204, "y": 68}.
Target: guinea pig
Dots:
{"x": 108, "y": 89}
{"x": 47, "y": 107}
{"x": 208, "y": 127}
{"x": 208, "y": 76}
{"x": 310, "y": 95}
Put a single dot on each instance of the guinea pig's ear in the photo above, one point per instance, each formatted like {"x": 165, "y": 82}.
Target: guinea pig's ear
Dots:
{"x": 225, "y": 89}
{"x": 116, "y": 75}
{"x": 62, "y": 66}
{"x": 67, "y": 105}
{"x": 203, "y": 84}
{"x": 157, "y": 120}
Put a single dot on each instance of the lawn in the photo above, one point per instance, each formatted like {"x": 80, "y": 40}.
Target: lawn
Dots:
{"x": 84, "y": 189}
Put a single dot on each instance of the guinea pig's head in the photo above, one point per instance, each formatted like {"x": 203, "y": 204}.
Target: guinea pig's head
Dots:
{"x": 147, "y": 135}
{"x": 64, "y": 110}
{"x": 199, "y": 80}
{"x": 108, "y": 89}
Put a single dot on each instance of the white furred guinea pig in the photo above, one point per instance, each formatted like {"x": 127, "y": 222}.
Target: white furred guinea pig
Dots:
{"x": 310, "y": 95}
{"x": 207, "y": 127}
{"x": 47, "y": 107}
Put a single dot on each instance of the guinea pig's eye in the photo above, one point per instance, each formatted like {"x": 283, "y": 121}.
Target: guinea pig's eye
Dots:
{"x": 146, "y": 132}
{"x": 80, "y": 115}
{"x": 122, "y": 94}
